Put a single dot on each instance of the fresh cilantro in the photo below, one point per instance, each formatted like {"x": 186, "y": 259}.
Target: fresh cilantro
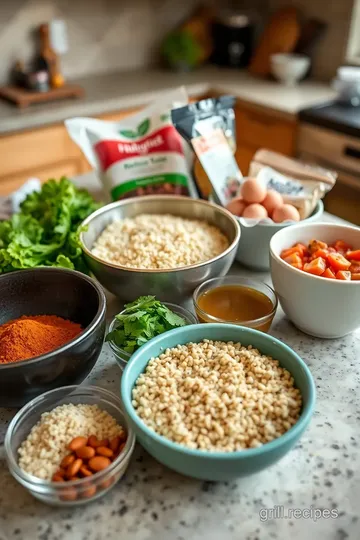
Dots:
{"x": 142, "y": 320}
{"x": 46, "y": 230}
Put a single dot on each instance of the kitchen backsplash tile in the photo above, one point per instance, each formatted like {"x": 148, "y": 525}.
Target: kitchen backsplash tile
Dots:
{"x": 104, "y": 35}
{"x": 111, "y": 35}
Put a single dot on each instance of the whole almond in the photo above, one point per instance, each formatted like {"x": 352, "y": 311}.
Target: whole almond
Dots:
{"x": 74, "y": 468}
{"x": 57, "y": 478}
{"x": 98, "y": 463}
{"x": 77, "y": 443}
{"x": 88, "y": 492}
{"x": 93, "y": 441}
{"x": 85, "y": 452}
{"x": 104, "y": 451}
{"x": 104, "y": 442}
{"x": 68, "y": 460}
{"x": 114, "y": 443}
{"x": 84, "y": 471}
{"x": 68, "y": 494}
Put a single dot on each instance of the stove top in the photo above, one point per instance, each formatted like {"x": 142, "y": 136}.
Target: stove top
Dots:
{"x": 334, "y": 116}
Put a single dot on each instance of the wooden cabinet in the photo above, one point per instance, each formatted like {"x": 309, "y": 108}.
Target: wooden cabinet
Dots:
{"x": 258, "y": 127}
{"x": 42, "y": 153}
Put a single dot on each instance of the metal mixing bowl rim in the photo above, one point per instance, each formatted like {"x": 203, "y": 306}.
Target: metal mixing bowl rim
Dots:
{"x": 124, "y": 202}
{"x": 80, "y": 337}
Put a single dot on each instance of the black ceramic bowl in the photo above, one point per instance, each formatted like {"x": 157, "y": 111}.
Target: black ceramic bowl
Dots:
{"x": 51, "y": 291}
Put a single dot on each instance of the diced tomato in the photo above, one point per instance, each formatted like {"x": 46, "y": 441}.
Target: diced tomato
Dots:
{"x": 301, "y": 248}
{"x": 355, "y": 276}
{"x": 355, "y": 267}
{"x": 328, "y": 274}
{"x": 338, "y": 262}
{"x": 342, "y": 246}
{"x": 321, "y": 253}
{"x": 314, "y": 245}
{"x": 353, "y": 255}
{"x": 344, "y": 275}
{"x": 331, "y": 249}
{"x": 298, "y": 248}
{"x": 316, "y": 267}
{"x": 299, "y": 266}
{"x": 293, "y": 259}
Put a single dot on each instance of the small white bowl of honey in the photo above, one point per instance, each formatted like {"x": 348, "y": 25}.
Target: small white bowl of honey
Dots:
{"x": 236, "y": 300}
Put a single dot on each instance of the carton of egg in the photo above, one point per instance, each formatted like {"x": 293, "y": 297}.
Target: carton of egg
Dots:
{"x": 254, "y": 202}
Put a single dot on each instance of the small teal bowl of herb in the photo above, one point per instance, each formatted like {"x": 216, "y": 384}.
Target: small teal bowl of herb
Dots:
{"x": 142, "y": 320}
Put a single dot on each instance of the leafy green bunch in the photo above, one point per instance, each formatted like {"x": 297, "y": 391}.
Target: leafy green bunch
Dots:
{"x": 45, "y": 232}
{"x": 142, "y": 320}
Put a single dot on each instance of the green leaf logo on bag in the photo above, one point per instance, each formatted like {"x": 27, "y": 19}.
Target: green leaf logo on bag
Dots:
{"x": 142, "y": 129}
{"x": 128, "y": 133}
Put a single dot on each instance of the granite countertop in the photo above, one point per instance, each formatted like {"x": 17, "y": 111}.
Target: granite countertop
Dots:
{"x": 112, "y": 92}
{"x": 152, "y": 502}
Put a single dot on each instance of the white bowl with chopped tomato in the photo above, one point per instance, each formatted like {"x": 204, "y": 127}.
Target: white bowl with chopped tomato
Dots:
{"x": 315, "y": 269}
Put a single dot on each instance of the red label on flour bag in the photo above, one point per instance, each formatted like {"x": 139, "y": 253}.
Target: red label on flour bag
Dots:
{"x": 140, "y": 155}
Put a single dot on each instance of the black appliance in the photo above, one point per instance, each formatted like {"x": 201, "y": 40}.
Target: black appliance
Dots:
{"x": 233, "y": 36}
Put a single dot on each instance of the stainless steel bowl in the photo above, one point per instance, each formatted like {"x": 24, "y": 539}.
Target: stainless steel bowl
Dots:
{"x": 176, "y": 284}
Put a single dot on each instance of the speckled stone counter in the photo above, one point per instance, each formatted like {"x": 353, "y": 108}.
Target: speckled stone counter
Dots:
{"x": 152, "y": 502}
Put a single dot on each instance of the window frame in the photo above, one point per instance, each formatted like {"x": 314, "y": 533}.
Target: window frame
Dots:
{"x": 353, "y": 45}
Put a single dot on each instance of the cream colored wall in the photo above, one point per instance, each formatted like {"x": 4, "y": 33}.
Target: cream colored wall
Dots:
{"x": 331, "y": 50}
{"x": 104, "y": 35}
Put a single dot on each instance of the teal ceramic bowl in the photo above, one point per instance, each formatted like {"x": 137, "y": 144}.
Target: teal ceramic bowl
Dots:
{"x": 218, "y": 465}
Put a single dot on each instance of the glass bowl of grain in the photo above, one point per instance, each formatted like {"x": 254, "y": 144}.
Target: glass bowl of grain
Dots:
{"x": 122, "y": 357}
{"x": 236, "y": 300}
{"x": 75, "y": 466}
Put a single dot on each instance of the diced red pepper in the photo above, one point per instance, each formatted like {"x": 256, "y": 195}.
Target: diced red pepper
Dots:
{"x": 338, "y": 262}
{"x": 321, "y": 253}
{"x": 355, "y": 267}
{"x": 342, "y": 246}
{"x": 301, "y": 248}
{"x": 314, "y": 245}
{"x": 316, "y": 267}
{"x": 344, "y": 275}
{"x": 298, "y": 248}
{"x": 294, "y": 259}
{"x": 328, "y": 274}
{"x": 353, "y": 255}
{"x": 355, "y": 276}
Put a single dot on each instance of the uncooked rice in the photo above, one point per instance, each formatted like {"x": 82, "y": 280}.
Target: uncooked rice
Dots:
{"x": 217, "y": 396}
{"x": 152, "y": 241}
{"x": 47, "y": 444}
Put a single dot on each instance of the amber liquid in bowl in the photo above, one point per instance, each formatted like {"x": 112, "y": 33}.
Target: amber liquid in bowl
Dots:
{"x": 236, "y": 304}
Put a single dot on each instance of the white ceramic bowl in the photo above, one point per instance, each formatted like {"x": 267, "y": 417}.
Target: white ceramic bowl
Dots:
{"x": 253, "y": 249}
{"x": 289, "y": 68}
{"x": 321, "y": 307}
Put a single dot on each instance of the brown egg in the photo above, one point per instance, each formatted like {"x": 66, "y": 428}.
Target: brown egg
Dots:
{"x": 252, "y": 191}
{"x": 285, "y": 212}
{"x": 255, "y": 211}
{"x": 272, "y": 200}
{"x": 236, "y": 206}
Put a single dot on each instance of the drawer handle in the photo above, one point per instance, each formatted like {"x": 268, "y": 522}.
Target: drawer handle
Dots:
{"x": 352, "y": 152}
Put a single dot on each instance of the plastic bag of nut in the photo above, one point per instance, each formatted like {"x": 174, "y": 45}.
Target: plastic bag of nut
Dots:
{"x": 143, "y": 154}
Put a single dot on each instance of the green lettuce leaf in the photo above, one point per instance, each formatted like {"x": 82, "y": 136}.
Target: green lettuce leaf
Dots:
{"x": 46, "y": 230}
